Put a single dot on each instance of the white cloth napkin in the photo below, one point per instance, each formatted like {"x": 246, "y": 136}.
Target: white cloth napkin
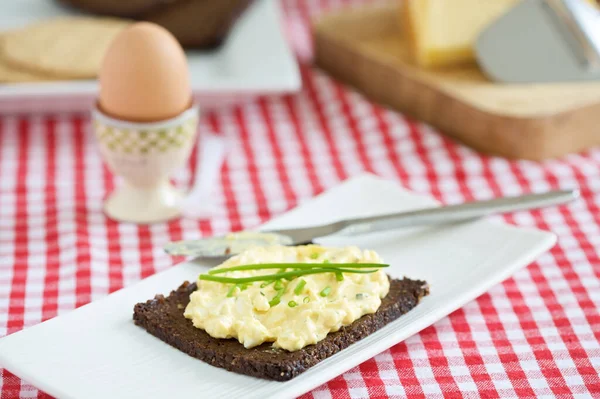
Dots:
{"x": 211, "y": 155}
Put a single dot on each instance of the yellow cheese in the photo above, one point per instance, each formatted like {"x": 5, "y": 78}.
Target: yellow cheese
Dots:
{"x": 442, "y": 32}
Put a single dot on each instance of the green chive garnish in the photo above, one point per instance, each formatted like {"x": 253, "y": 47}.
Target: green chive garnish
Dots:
{"x": 278, "y": 285}
{"x": 300, "y": 287}
{"x": 292, "y": 304}
{"x": 306, "y": 299}
{"x": 277, "y": 298}
{"x": 325, "y": 291}
{"x": 326, "y": 261}
{"x": 275, "y": 301}
{"x": 339, "y": 276}
{"x": 231, "y": 291}
{"x": 276, "y": 276}
{"x": 314, "y": 255}
{"x": 284, "y": 266}
{"x": 263, "y": 285}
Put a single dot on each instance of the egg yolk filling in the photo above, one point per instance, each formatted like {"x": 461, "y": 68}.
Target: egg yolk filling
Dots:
{"x": 290, "y": 313}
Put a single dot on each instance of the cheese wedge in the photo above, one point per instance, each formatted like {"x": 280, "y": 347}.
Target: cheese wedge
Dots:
{"x": 442, "y": 32}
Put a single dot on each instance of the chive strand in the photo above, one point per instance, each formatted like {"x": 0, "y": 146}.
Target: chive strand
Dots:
{"x": 284, "y": 266}
{"x": 231, "y": 291}
{"x": 267, "y": 283}
{"x": 300, "y": 287}
{"x": 275, "y": 301}
{"x": 277, "y": 298}
{"x": 278, "y": 285}
{"x": 277, "y": 276}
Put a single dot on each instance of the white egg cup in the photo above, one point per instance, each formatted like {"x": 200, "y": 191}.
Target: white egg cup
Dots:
{"x": 144, "y": 155}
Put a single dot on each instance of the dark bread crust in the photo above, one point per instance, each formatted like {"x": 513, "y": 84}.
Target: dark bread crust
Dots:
{"x": 163, "y": 318}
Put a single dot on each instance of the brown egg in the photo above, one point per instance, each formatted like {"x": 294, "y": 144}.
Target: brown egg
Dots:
{"x": 144, "y": 75}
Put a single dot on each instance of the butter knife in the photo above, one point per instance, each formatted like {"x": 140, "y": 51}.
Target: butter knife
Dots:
{"x": 218, "y": 247}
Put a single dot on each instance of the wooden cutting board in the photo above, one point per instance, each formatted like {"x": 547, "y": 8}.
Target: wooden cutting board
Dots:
{"x": 365, "y": 48}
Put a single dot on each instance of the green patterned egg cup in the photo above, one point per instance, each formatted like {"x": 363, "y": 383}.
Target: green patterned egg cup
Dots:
{"x": 144, "y": 155}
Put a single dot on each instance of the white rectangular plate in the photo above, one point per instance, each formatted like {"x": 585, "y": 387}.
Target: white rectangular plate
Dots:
{"x": 97, "y": 352}
{"x": 256, "y": 59}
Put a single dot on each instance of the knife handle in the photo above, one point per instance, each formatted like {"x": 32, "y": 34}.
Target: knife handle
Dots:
{"x": 457, "y": 213}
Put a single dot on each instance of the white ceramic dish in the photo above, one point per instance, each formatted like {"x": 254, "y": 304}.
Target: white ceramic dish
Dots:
{"x": 256, "y": 59}
{"x": 97, "y": 352}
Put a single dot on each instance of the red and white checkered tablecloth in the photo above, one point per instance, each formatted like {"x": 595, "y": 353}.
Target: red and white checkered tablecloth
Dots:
{"x": 535, "y": 335}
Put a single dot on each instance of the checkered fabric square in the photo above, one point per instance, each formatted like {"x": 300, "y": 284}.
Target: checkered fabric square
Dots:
{"x": 534, "y": 336}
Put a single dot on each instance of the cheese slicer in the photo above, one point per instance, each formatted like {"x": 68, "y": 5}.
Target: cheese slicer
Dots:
{"x": 540, "y": 41}
{"x": 232, "y": 244}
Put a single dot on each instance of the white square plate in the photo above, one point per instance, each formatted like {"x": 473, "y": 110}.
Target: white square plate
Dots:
{"x": 256, "y": 59}
{"x": 97, "y": 352}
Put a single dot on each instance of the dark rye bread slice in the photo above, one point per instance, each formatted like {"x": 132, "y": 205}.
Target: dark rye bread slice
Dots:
{"x": 163, "y": 318}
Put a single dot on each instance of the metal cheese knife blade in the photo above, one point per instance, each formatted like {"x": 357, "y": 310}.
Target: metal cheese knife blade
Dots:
{"x": 541, "y": 41}
{"x": 218, "y": 247}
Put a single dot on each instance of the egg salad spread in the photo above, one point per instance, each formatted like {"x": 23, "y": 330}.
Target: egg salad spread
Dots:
{"x": 300, "y": 308}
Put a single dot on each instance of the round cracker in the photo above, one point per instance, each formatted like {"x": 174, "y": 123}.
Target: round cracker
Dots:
{"x": 10, "y": 74}
{"x": 70, "y": 48}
